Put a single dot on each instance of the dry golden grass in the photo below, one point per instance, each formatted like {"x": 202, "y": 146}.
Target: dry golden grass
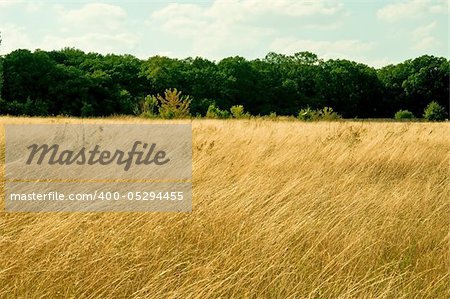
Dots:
{"x": 280, "y": 210}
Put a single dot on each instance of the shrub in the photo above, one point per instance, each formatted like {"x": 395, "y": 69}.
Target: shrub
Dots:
{"x": 238, "y": 112}
{"x": 403, "y": 114}
{"x": 215, "y": 112}
{"x": 327, "y": 113}
{"x": 173, "y": 105}
{"x": 434, "y": 112}
{"x": 307, "y": 114}
{"x": 272, "y": 116}
{"x": 87, "y": 110}
{"x": 38, "y": 108}
{"x": 200, "y": 106}
{"x": 149, "y": 107}
{"x": 125, "y": 102}
{"x": 29, "y": 108}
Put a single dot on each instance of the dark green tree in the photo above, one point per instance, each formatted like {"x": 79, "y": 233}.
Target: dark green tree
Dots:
{"x": 72, "y": 82}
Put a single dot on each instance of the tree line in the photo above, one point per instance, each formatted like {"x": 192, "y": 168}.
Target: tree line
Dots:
{"x": 72, "y": 82}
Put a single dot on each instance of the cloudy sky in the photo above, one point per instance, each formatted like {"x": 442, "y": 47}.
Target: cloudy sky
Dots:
{"x": 375, "y": 32}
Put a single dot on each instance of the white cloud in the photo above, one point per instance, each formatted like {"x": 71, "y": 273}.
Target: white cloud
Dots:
{"x": 33, "y": 7}
{"x": 95, "y": 27}
{"x": 423, "y": 37}
{"x": 441, "y": 7}
{"x": 325, "y": 49}
{"x": 426, "y": 43}
{"x": 377, "y": 63}
{"x": 93, "y": 42}
{"x": 424, "y": 31}
{"x": 412, "y": 9}
{"x": 99, "y": 16}
{"x": 235, "y": 10}
{"x": 221, "y": 28}
{"x": 14, "y": 37}
{"x": 294, "y": 8}
{"x": 329, "y": 26}
{"x": 9, "y": 3}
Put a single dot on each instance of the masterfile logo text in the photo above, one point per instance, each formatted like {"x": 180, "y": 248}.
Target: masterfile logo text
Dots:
{"x": 98, "y": 167}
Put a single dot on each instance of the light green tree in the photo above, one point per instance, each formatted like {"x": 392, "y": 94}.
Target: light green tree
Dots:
{"x": 434, "y": 112}
{"x": 173, "y": 105}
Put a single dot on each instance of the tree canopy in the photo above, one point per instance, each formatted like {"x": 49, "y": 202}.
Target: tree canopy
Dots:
{"x": 72, "y": 82}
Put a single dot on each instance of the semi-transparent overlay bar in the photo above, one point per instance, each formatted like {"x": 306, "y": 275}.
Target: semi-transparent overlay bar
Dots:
{"x": 98, "y": 168}
{"x": 98, "y": 151}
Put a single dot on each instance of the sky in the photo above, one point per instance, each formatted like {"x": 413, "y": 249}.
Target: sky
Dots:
{"x": 369, "y": 31}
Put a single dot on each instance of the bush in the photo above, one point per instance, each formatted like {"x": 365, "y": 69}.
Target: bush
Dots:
{"x": 12, "y": 108}
{"x": 403, "y": 114}
{"x": 29, "y": 108}
{"x": 149, "y": 107}
{"x": 327, "y": 113}
{"x": 87, "y": 110}
{"x": 200, "y": 106}
{"x": 173, "y": 105}
{"x": 238, "y": 112}
{"x": 125, "y": 102}
{"x": 434, "y": 112}
{"x": 272, "y": 116}
{"x": 215, "y": 112}
{"x": 307, "y": 114}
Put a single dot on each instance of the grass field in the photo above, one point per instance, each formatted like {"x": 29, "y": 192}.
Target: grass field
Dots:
{"x": 280, "y": 210}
